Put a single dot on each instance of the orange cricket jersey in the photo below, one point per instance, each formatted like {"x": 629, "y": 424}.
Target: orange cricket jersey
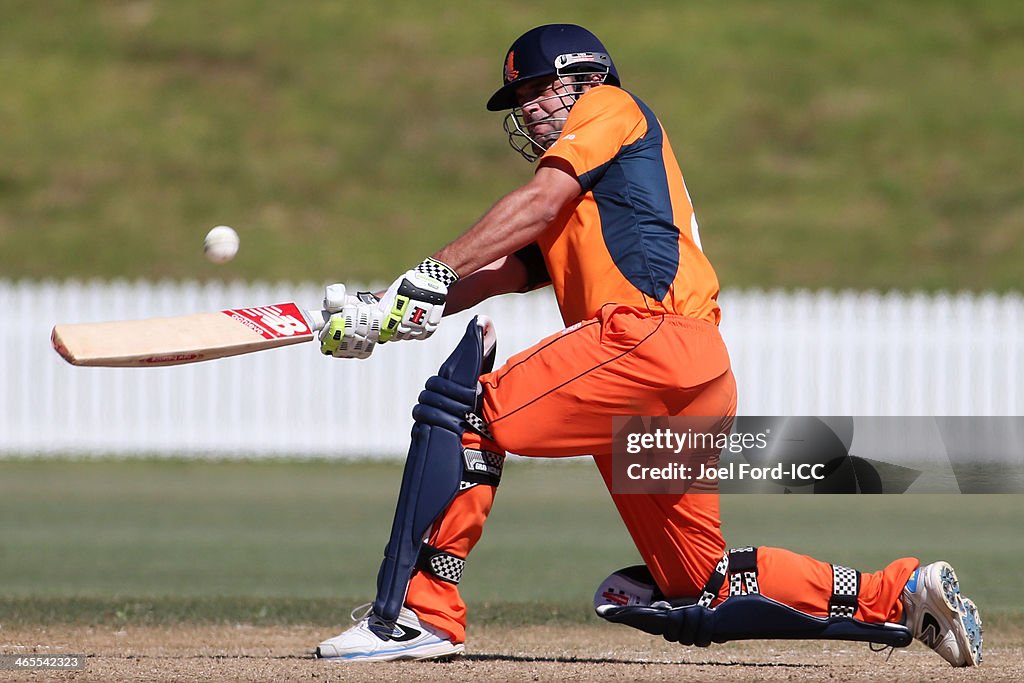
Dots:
{"x": 631, "y": 238}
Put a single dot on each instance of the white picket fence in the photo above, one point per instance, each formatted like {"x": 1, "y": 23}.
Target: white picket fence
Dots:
{"x": 813, "y": 353}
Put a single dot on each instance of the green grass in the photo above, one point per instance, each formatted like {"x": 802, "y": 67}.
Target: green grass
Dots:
{"x": 856, "y": 144}
{"x": 273, "y": 542}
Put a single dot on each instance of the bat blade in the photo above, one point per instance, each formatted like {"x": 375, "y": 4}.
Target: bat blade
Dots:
{"x": 184, "y": 339}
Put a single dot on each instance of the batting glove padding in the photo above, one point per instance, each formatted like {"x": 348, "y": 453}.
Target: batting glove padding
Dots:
{"x": 354, "y": 329}
{"x": 414, "y": 303}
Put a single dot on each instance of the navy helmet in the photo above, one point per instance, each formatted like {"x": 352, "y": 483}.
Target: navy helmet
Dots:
{"x": 550, "y": 50}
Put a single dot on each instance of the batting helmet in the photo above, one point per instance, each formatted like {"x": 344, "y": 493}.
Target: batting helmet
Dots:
{"x": 551, "y": 50}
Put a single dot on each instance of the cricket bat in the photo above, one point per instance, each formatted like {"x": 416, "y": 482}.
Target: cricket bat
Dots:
{"x": 187, "y": 338}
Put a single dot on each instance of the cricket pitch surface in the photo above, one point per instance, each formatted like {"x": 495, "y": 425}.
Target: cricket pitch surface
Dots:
{"x": 493, "y": 653}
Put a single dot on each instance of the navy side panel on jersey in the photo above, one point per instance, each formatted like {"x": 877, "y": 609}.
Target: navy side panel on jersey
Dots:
{"x": 633, "y": 201}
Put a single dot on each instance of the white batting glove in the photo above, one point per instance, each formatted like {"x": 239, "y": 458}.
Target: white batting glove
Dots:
{"x": 414, "y": 303}
{"x": 353, "y": 330}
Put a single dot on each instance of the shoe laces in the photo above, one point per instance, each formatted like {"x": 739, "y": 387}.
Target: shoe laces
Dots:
{"x": 882, "y": 647}
{"x": 365, "y": 609}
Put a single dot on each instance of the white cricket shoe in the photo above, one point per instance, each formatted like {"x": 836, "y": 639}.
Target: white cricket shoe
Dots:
{"x": 940, "y": 617}
{"x": 409, "y": 639}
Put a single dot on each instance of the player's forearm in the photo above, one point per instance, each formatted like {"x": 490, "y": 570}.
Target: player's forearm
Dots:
{"x": 504, "y": 276}
{"x": 515, "y": 221}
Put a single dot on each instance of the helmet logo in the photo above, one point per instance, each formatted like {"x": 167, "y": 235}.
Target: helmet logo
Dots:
{"x": 511, "y": 72}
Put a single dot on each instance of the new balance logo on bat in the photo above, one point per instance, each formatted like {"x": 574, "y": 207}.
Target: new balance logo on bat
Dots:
{"x": 272, "y": 322}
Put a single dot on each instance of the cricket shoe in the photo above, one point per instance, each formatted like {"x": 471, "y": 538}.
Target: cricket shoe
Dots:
{"x": 940, "y": 617}
{"x": 372, "y": 639}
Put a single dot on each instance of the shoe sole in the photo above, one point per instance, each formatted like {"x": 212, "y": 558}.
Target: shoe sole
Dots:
{"x": 965, "y": 611}
{"x": 438, "y": 653}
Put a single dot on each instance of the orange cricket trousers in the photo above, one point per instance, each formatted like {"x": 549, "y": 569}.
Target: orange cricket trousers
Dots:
{"x": 558, "y": 399}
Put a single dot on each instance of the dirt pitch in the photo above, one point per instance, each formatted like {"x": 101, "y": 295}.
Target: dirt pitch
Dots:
{"x": 536, "y": 653}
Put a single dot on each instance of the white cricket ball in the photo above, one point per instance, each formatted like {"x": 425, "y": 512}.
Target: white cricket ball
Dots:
{"x": 221, "y": 244}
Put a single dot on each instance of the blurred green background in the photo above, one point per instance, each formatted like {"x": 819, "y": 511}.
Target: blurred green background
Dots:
{"x": 160, "y": 541}
{"x": 855, "y": 144}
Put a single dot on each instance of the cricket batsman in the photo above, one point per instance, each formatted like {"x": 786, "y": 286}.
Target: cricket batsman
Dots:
{"x": 606, "y": 221}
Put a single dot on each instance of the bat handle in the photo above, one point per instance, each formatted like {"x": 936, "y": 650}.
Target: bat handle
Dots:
{"x": 317, "y": 319}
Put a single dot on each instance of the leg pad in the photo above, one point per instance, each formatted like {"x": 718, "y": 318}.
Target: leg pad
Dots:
{"x": 748, "y": 617}
{"x": 434, "y": 467}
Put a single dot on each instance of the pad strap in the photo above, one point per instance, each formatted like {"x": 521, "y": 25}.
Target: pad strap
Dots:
{"x": 481, "y": 467}
{"x": 743, "y": 571}
{"x": 740, "y": 565}
{"x": 714, "y": 583}
{"x": 478, "y": 425}
{"x": 444, "y": 566}
{"x": 845, "y": 587}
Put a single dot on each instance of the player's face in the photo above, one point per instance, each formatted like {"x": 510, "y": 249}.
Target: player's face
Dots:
{"x": 545, "y": 104}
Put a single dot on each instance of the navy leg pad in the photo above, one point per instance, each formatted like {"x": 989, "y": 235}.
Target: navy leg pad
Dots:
{"x": 434, "y": 466}
{"x": 750, "y": 617}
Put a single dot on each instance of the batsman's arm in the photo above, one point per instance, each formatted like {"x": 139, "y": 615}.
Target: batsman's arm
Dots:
{"x": 516, "y": 220}
{"x": 415, "y": 302}
{"x": 507, "y": 275}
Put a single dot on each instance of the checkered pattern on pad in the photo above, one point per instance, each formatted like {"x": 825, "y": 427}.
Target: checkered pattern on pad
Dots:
{"x": 743, "y": 571}
{"x": 714, "y": 582}
{"x": 448, "y": 567}
{"x": 477, "y": 424}
{"x": 444, "y": 566}
{"x": 845, "y": 587}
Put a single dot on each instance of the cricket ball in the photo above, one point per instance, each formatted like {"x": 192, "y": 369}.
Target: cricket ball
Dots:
{"x": 221, "y": 244}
